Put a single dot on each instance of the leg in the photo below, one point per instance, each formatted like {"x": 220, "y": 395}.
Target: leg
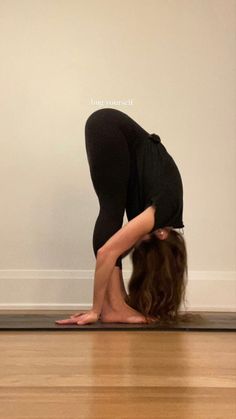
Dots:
{"x": 109, "y": 163}
{"x": 115, "y": 309}
{"x": 116, "y": 292}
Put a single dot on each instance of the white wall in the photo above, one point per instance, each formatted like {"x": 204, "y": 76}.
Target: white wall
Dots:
{"x": 174, "y": 62}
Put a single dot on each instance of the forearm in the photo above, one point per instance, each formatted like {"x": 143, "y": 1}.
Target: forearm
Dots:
{"x": 103, "y": 271}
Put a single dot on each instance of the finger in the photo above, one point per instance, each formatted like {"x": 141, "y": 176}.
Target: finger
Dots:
{"x": 66, "y": 321}
{"x": 81, "y": 321}
{"x": 63, "y": 321}
{"x": 84, "y": 320}
{"x": 76, "y": 315}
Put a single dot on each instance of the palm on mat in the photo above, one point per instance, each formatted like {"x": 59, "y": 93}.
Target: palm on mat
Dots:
{"x": 80, "y": 318}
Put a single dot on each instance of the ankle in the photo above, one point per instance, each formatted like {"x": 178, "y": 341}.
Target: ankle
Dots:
{"x": 113, "y": 305}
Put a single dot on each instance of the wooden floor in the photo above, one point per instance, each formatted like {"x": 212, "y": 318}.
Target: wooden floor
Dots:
{"x": 55, "y": 375}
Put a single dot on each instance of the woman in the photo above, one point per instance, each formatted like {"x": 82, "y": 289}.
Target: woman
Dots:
{"x": 131, "y": 170}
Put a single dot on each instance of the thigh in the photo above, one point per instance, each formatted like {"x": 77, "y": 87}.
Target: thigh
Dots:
{"x": 108, "y": 154}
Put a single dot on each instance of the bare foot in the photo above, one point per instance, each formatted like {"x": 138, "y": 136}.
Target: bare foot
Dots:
{"x": 126, "y": 314}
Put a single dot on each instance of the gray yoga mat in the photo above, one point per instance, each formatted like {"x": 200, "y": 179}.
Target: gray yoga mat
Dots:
{"x": 204, "y": 321}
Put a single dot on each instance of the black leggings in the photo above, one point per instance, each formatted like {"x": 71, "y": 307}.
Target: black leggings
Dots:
{"x": 110, "y": 136}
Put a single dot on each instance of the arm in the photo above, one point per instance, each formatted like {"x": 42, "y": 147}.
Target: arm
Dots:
{"x": 121, "y": 241}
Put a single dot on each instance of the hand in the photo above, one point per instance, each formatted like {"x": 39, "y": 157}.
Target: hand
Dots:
{"x": 81, "y": 318}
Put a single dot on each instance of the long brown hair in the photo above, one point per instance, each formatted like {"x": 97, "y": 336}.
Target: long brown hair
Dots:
{"x": 157, "y": 286}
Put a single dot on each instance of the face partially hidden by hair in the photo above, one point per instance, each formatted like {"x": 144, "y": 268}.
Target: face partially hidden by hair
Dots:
{"x": 157, "y": 284}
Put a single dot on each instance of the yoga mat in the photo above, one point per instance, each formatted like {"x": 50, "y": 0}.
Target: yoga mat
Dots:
{"x": 209, "y": 321}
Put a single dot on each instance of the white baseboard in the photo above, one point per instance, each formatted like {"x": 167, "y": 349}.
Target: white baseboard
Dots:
{"x": 73, "y": 290}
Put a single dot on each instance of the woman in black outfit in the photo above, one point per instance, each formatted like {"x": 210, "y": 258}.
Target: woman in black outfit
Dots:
{"x": 132, "y": 171}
